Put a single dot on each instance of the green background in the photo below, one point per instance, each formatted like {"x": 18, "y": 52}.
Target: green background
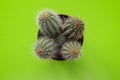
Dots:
{"x": 101, "y": 49}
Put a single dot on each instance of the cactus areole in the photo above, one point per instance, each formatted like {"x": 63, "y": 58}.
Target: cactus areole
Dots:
{"x": 60, "y": 37}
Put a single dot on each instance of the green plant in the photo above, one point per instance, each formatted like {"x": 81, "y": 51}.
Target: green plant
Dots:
{"x": 45, "y": 47}
{"x": 73, "y": 28}
{"x": 50, "y": 24}
{"x": 71, "y": 50}
{"x": 64, "y": 36}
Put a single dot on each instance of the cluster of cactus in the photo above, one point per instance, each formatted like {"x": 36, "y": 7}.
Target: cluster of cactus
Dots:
{"x": 60, "y": 37}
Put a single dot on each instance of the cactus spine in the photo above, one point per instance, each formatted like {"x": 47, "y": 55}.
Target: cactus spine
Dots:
{"x": 73, "y": 28}
{"x": 71, "y": 50}
{"x": 50, "y": 24}
{"x": 45, "y": 47}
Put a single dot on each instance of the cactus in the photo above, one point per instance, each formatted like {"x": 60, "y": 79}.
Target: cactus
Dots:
{"x": 45, "y": 47}
{"x": 50, "y": 24}
{"x": 71, "y": 50}
{"x": 73, "y": 28}
{"x": 60, "y": 37}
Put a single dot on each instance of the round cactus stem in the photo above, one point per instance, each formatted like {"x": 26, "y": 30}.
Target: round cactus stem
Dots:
{"x": 44, "y": 47}
{"x": 50, "y": 24}
{"x": 71, "y": 50}
{"x": 73, "y": 28}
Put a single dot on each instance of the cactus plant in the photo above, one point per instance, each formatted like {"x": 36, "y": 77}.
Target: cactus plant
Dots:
{"x": 45, "y": 47}
{"x": 60, "y": 37}
{"x": 71, "y": 50}
{"x": 50, "y": 24}
{"x": 73, "y": 28}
